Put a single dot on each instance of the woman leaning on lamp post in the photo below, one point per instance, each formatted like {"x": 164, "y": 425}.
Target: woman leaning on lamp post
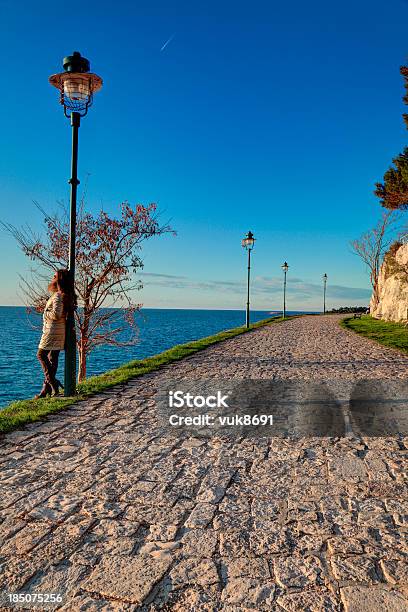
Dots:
{"x": 61, "y": 303}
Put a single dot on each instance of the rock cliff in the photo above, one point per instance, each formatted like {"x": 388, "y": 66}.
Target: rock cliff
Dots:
{"x": 393, "y": 286}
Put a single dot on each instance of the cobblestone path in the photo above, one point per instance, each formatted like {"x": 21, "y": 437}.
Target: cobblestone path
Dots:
{"x": 97, "y": 505}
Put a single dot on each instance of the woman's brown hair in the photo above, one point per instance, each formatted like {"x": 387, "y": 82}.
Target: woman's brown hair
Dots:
{"x": 66, "y": 287}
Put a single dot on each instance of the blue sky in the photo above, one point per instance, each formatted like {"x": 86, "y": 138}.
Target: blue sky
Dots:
{"x": 270, "y": 116}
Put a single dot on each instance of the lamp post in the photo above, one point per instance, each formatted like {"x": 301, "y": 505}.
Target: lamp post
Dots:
{"x": 285, "y": 269}
{"x": 324, "y": 292}
{"x": 76, "y": 86}
{"x": 248, "y": 243}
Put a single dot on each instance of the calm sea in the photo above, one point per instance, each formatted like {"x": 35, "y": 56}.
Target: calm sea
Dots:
{"x": 159, "y": 329}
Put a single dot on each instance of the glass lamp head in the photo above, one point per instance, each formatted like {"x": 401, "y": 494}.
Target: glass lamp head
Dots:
{"x": 248, "y": 241}
{"x": 76, "y": 84}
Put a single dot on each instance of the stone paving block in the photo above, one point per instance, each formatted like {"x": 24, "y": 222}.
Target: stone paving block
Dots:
{"x": 271, "y": 469}
{"x": 185, "y": 488}
{"x": 361, "y": 598}
{"x": 244, "y": 567}
{"x": 343, "y": 546}
{"x": 358, "y": 568}
{"x": 195, "y": 571}
{"x": 78, "y": 483}
{"x": 214, "y": 485}
{"x": 158, "y": 496}
{"x": 64, "y": 579}
{"x": 320, "y": 600}
{"x": 305, "y": 544}
{"x": 201, "y": 516}
{"x": 145, "y": 485}
{"x": 376, "y": 467}
{"x": 292, "y": 572}
{"x": 162, "y": 532}
{"x": 15, "y": 495}
{"x": 9, "y": 527}
{"x": 385, "y": 543}
{"x": 102, "y": 509}
{"x": 160, "y": 550}
{"x": 122, "y": 546}
{"x": 26, "y": 539}
{"x": 17, "y": 571}
{"x": 128, "y": 579}
{"x": 268, "y": 543}
{"x": 162, "y": 472}
{"x": 317, "y": 491}
{"x": 263, "y": 525}
{"x": 332, "y": 505}
{"x": 395, "y": 570}
{"x": 50, "y": 547}
{"x": 347, "y": 467}
{"x": 114, "y": 528}
{"x": 203, "y": 540}
{"x": 378, "y": 521}
{"x": 372, "y": 513}
{"x": 235, "y": 504}
{"x": 314, "y": 528}
{"x": 234, "y": 543}
{"x": 249, "y": 593}
{"x": 179, "y": 512}
{"x": 89, "y": 553}
{"x": 193, "y": 599}
{"x": 62, "y": 541}
{"x": 266, "y": 509}
{"x": 303, "y": 511}
{"x": 371, "y": 506}
{"x": 228, "y": 521}
{"x": 399, "y": 511}
{"x": 146, "y": 514}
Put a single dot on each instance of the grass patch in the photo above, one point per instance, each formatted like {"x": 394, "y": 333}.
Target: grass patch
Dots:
{"x": 22, "y": 412}
{"x": 393, "y": 335}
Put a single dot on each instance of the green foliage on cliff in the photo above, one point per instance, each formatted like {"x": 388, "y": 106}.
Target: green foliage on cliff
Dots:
{"x": 392, "y": 267}
{"x": 393, "y": 192}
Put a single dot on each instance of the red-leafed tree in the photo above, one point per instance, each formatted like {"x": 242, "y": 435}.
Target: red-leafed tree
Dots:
{"x": 108, "y": 253}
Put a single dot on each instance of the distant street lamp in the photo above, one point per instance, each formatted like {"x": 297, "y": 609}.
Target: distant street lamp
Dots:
{"x": 285, "y": 269}
{"x": 248, "y": 243}
{"x": 76, "y": 86}
{"x": 324, "y": 292}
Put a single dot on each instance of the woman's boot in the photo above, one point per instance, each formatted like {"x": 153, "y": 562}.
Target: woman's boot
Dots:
{"x": 55, "y": 386}
{"x": 46, "y": 390}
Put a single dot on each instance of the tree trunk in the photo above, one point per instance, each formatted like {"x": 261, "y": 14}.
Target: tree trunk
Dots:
{"x": 374, "y": 283}
{"x": 83, "y": 341}
{"x": 82, "y": 363}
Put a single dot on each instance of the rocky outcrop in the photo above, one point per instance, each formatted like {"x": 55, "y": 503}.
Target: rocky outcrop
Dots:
{"x": 393, "y": 286}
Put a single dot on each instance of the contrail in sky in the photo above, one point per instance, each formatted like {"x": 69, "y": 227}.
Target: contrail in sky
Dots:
{"x": 167, "y": 42}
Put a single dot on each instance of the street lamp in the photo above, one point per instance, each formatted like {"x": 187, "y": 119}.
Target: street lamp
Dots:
{"x": 76, "y": 86}
{"x": 248, "y": 243}
{"x": 324, "y": 292}
{"x": 285, "y": 269}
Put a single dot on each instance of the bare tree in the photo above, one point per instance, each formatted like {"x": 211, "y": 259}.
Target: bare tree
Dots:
{"x": 372, "y": 246}
{"x": 107, "y": 257}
